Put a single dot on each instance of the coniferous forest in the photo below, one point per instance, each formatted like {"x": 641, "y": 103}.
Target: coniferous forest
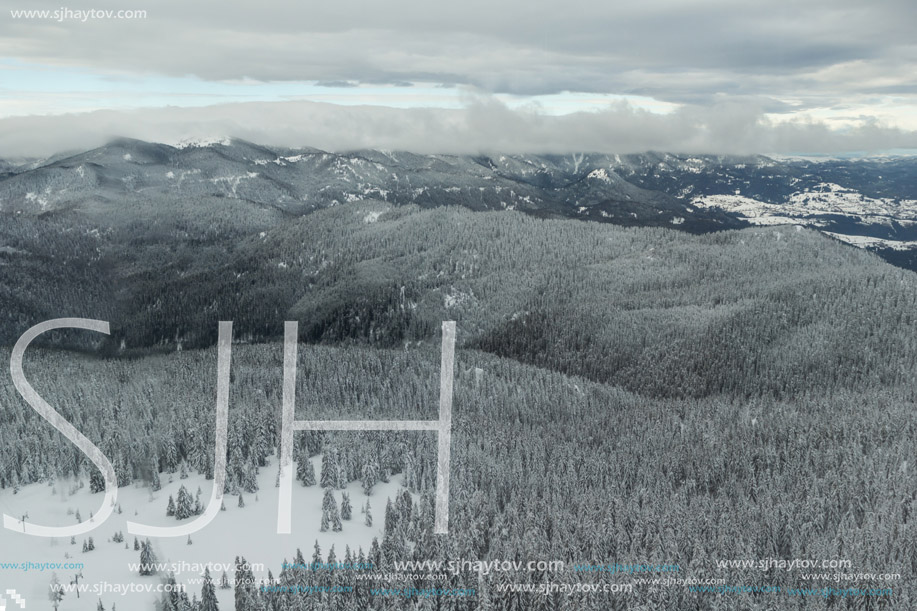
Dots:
{"x": 622, "y": 395}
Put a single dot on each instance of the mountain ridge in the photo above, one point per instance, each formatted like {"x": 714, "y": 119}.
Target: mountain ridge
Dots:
{"x": 869, "y": 203}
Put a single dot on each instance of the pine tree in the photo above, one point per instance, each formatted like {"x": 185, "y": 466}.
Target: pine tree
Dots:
{"x": 370, "y": 477}
{"x": 96, "y": 481}
{"x": 170, "y": 507}
{"x": 346, "y": 509}
{"x": 391, "y": 517}
{"x": 184, "y": 507}
{"x": 331, "y": 517}
{"x": 305, "y": 472}
{"x": 55, "y": 593}
{"x": 155, "y": 482}
{"x": 329, "y": 468}
{"x": 100, "y": 607}
{"x": 208, "y": 594}
{"x": 369, "y": 514}
{"x": 328, "y": 500}
{"x": 224, "y": 582}
{"x": 250, "y": 478}
{"x": 147, "y": 559}
{"x": 244, "y": 594}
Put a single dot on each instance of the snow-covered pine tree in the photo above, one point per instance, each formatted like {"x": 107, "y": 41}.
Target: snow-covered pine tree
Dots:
{"x": 208, "y": 594}
{"x": 370, "y": 477}
{"x": 305, "y": 472}
{"x": 328, "y": 500}
{"x": 55, "y": 593}
{"x": 329, "y": 467}
{"x": 147, "y": 559}
{"x": 155, "y": 482}
{"x": 96, "y": 481}
{"x": 184, "y": 505}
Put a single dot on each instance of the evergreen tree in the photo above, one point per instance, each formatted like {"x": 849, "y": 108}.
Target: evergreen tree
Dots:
{"x": 245, "y": 595}
{"x": 329, "y": 468}
{"x": 170, "y": 507}
{"x": 370, "y": 477}
{"x": 147, "y": 559}
{"x": 346, "y": 509}
{"x": 328, "y": 500}
{"x": 208, "y": 594}
{"x": 155, "y": 483}
{"x": 305, "y": 472}
{"x": 184, "y": 506}
{"x": 96, "y": 481}
{"x": 55, "y": 593}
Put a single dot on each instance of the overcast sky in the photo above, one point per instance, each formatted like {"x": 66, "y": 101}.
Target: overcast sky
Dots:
{"x": 680, "y": 75}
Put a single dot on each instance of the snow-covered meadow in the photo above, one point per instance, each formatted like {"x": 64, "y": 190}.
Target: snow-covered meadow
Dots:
{"x": 248, "y": 531}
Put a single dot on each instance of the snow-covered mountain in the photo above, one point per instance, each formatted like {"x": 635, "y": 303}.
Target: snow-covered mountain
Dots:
{"x": 871, "y": 203}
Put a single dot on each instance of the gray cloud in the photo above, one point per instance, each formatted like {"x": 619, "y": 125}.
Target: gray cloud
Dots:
{"x": 484, "y": 125}
{"x": 669, "y": 49}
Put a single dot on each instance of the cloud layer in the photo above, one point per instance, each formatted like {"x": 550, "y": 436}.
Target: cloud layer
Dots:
{"x": 782, "y": 75}
{"x": 673, "y": 50}
{"x": 485, "y": 125}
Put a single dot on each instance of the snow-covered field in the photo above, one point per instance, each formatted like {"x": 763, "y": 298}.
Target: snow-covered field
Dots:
{"x": 249, "y": 531}
{"x": 824, "y": 199}
{"x": 810, "y": 206}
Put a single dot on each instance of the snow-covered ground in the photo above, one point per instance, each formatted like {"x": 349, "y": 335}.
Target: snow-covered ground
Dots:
{"x": 807, "y": 207}
{"x": 824, "y": 199}
{"x": 862, "y": 241}
{"x": 249, "y": 531}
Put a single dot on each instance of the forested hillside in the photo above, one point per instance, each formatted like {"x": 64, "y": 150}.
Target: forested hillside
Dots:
{"x": 622, "y": 394}
{"x": 778, "y": 310}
